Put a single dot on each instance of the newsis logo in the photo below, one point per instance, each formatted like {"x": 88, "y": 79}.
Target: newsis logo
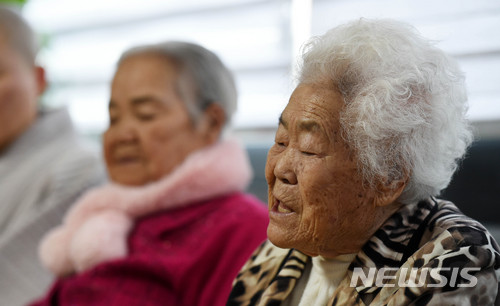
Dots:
{"x": 414, "y": 277}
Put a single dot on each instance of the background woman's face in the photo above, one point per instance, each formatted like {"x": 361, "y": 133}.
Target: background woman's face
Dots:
{"x": 316, "y": 197}
{"x": 150, "y": 131}
{"x": 20, "y": 87}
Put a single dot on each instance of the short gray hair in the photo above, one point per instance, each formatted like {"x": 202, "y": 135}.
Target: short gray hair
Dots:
{"x": 20, "y": 36}
{"x": 405, "y": 102}
{"x": 200, "y": 70}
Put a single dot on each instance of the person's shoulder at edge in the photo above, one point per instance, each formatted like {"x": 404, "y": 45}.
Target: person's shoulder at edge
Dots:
{"x": 462, "y": 230}
{"x": 455, "y": 242}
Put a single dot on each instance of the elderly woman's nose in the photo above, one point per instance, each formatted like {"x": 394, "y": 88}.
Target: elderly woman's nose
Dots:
{"x": 125, "y": 132}
{"x": 283, "y": 169}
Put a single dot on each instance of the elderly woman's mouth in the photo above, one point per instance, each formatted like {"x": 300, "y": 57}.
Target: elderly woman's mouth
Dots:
{"x": 279, "y": 207}
{"x": 127, "y": 159}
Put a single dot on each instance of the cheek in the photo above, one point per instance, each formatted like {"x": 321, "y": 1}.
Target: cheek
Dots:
{"x": 164, "y": 146}
{"x": 269, "y": 170}
{"x": 11, "y": 96}
{"x": 325, "y": 192}
{"x": 19, "y": 83}
{"x": 156, "y": 135}
{"x": 317, "y": 191}
{"x": 155, "y": 141}
{"x": 16, "y": 105}
{"x": 106, "y": 144}
{"x": 171, "y": 128}
{"x": 320, "y": 209}
{"x": 318, "y": 182}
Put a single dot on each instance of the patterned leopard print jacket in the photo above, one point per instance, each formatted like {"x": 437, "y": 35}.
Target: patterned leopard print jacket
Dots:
{"x": 432, "y": 234}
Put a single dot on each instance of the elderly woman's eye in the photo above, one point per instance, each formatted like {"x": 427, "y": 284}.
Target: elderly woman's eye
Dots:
{"x": 146, "y": 116}
{"x": 146, "y": 112}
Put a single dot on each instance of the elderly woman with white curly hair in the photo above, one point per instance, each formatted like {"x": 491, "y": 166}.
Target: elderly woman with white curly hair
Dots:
{"x": 372, "y": 133}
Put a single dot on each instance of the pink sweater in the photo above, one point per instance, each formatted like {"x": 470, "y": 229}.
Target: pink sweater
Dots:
{"x": 187, "y": 256}
{"x": 178, "y": 241}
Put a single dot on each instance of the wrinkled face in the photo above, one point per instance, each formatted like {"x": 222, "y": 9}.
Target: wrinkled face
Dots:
{"x": 317, "y": 201}
{"x": 18, "y": 93}
{"x": 150, "y": 131}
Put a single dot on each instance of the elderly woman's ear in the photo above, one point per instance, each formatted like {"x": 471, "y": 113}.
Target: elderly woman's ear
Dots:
{"x": 212, "y": 123}
{"x": 388, "y": 191}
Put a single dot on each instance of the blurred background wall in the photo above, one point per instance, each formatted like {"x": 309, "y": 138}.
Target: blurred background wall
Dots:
{"x": 259, "y": 40}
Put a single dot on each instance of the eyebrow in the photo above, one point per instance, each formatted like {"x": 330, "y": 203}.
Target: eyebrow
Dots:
{"x": 305, "y": 124}
{"x": 144, "y": 100}
{"x": 282, "y": 121}
{"x": 137, "y": 101}
{"x": 309, "y": 125}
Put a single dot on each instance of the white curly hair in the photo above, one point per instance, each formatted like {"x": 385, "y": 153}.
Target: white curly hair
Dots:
{"x": 405, "y": 102}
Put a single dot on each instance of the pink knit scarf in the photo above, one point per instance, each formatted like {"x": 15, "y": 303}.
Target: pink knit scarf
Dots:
{"x": 95, "y": 229}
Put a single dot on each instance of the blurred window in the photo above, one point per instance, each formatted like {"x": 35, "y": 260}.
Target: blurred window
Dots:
{"x": 257, "y": 39}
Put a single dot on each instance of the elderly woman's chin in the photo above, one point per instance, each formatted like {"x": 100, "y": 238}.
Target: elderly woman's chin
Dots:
{"x": 288, "y": 238}
{"x": 286, "y": 231}
{"x": 280, "y": 232}
{"x": 283, "y": 223}
{"x": 131, "y": 174}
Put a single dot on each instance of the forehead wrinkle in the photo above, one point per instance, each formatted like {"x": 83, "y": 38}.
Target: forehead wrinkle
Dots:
{"x": 324, "y": 117}
{"x": 307, "y": 125}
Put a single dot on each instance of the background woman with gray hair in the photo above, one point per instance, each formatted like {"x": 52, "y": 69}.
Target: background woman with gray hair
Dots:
{"x": 372, "y": 133}
{"x": 174, "y": 227}
{"x": 44, "y": 164}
